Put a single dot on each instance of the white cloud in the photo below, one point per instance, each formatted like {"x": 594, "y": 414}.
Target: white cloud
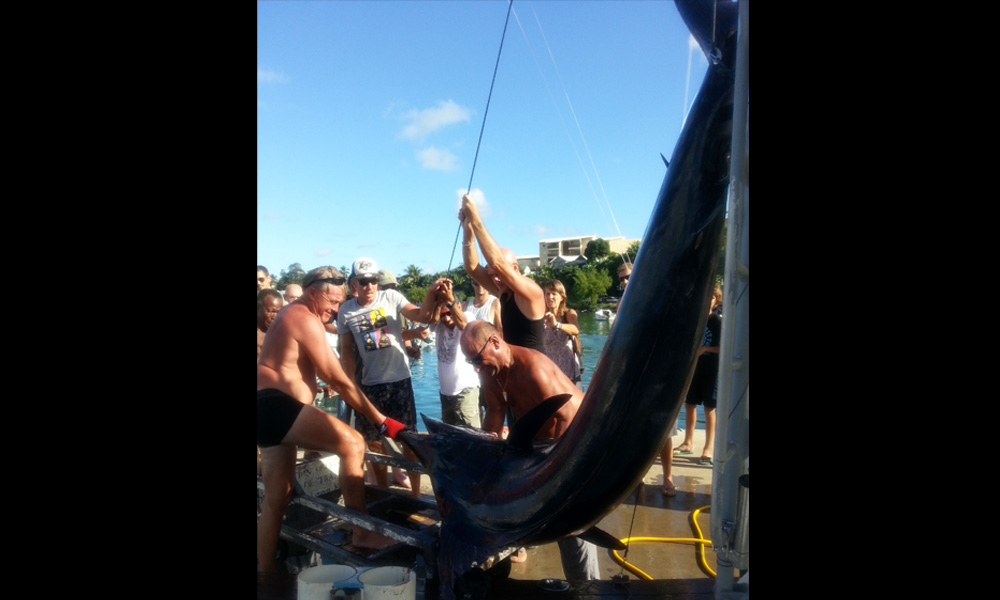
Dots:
{"x": 269, "y": 76}
{"x": 437, "y": 159}
{"x": 420, "y": 123}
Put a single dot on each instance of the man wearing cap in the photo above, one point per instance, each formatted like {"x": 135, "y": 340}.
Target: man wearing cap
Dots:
{"x": 294, "y": 353}
{"x": 372, "y": 323}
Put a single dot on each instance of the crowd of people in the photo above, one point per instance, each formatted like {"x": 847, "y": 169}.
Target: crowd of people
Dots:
{"x": 500, "y": 353}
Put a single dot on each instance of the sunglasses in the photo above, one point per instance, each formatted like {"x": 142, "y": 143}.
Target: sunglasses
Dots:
{"x": 371, "y": 281}
{"x": 477, "y": 360}
{"x": 260, "y": 280}
{"x": 333, "y": 280}
{"x": 621, "y": 279}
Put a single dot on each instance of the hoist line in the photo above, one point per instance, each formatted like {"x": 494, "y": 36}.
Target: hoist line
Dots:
{"x": 468, "y": 190}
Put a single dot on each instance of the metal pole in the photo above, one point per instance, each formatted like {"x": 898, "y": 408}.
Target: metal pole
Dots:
{"x": 730, "y": 528}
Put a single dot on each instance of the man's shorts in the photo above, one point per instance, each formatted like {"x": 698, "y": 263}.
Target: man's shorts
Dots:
{"x": 276, "y": 413}
{"x": 394, "y": 400}
{"x": 462, "y": 408}
{"x": 704, "y": 382}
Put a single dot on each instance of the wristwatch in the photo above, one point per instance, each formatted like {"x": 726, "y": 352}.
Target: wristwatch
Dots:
{"x": 558, "y": 326}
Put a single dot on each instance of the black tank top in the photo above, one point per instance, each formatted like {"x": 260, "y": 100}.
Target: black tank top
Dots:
{"x": 517, "y": 328}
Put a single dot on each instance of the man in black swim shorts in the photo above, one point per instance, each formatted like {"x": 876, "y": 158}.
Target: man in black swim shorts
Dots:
{"x": 295, "y": 351}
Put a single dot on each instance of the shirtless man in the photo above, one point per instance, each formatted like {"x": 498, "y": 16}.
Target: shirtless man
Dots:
{"x": 526, "y": 378}
{"x": 268, "y": 304}
{"x": 295, "y": 351}
{"x": 522, "y": 311}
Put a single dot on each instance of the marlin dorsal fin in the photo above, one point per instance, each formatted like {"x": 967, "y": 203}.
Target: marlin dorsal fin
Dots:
{"x": 526, "y": 427}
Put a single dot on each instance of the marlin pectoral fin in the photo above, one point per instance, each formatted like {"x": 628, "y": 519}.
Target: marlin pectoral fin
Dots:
{"x": 526, "y": 427}
{"x": 601, "y": 538}
{"x": 666, "y": 162}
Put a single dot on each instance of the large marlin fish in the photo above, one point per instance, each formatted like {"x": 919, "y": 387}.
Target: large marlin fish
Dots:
{"x": 494, "y": 494}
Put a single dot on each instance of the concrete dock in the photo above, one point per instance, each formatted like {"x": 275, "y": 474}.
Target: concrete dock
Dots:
{"x": 676, "y": 567}
{"x": 648, "y": 513}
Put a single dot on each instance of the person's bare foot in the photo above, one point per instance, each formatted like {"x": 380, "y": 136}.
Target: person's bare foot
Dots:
{"x": 399, "y": 478}
{"x": 683, "y": 449}
{"x": 520, "y": 556}
{"x": 363, "y": 538}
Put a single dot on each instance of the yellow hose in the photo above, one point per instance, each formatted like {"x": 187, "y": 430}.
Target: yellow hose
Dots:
{"x": 700, "y": 541}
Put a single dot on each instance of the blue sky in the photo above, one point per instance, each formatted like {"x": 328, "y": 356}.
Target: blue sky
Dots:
{"x": 369, "y": 113}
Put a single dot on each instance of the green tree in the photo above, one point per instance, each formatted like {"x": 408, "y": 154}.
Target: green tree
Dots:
{"x": 543, "y": 274}
{"x": 597, "y": 250}
{"x": 589, "y": 283}
{"x": 412, "y": 274}
{"x": 415, "y": 294}
{"x": 294, "y": 274}
{"x": 610, "y": 266}
{"x": 633, "y": 251}
{"x": 461, "y": 283}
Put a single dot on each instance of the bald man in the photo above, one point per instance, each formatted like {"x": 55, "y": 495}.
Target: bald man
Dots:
{"x": 522, "y": 302}
{"x": 526, "y": 378}
{"x": 292, "y": 292}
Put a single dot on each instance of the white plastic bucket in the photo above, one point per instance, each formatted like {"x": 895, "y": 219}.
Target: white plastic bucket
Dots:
{"x": 315, "y": 583}
{"x": 389, "y": 583}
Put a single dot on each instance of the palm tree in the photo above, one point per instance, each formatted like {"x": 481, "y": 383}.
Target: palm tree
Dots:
{"x": 413, "y": 275}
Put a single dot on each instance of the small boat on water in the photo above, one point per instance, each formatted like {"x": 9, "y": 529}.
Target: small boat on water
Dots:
{"x": 604, "y": 314}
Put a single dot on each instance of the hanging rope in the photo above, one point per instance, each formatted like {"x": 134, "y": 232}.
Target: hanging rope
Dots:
{"x": 468, "y": 190}
{"x": 631, "y": 526}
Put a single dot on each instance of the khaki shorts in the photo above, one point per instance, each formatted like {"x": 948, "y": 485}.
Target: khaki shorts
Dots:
{"x": 462, "y": 408}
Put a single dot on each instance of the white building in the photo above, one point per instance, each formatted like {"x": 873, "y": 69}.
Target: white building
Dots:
{"x": 559, "y": 252}
{"x": 571, "y": 248}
